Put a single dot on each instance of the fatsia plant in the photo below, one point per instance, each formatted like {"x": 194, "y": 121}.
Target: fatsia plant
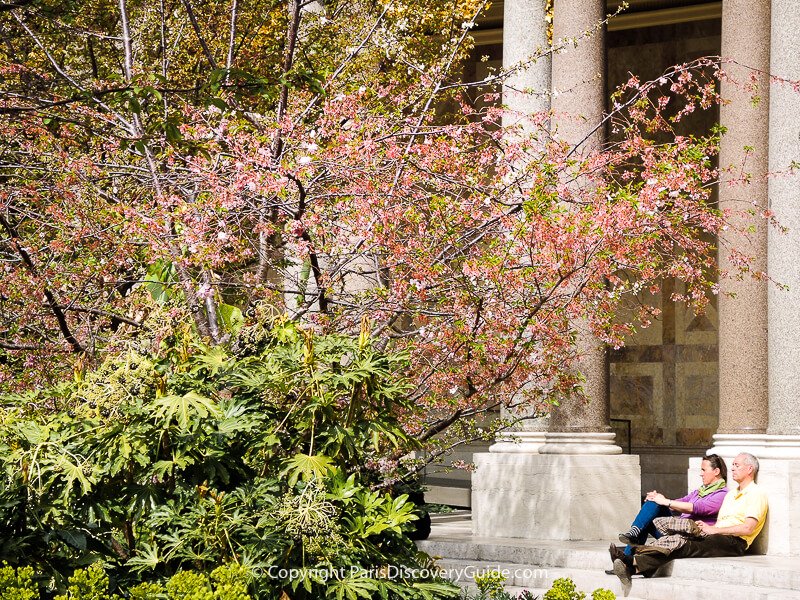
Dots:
{"x": 174, "y": 456}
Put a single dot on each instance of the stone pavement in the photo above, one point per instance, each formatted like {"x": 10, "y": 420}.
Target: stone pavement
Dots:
{"x": 534, "y": 565}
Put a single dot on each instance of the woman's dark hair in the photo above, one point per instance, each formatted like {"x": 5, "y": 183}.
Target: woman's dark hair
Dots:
{"x": 717, "y": 463}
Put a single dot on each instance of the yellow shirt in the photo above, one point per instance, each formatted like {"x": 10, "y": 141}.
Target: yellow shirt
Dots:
{"x": 740, "y": 504}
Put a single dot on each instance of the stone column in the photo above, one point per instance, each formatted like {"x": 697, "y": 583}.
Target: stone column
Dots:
{"x": 579, "y": 103}
{"x": 779, "y": 449}
{"x": 526, "y": 92}
{"x": 579, "y": 70}
{"x": 784, "y": 248}
{"x": 743, "y": 408}
{"x": 525, "y": 50}
{"x": 780, "y": 458}
{"x": 579, "y": 486}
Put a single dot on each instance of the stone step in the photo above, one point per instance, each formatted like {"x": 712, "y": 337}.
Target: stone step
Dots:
{"x": 767, "y": 571}
{"x": 746, "y": 578}
{"x": 537, "y": 580}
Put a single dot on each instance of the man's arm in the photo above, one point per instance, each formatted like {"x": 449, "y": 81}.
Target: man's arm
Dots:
{"x": 746, "y": 528}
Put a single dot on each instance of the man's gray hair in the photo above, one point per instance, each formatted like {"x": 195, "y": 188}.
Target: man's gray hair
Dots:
{"x": 751, "y": 460}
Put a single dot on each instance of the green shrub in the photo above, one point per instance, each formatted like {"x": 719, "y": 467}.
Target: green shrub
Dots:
{"x": 565, "y": 589}
{"x": 17, "y": 584}
{"x": 147, "y": 591}
{"x": 490, "y": 584}
{"x": 174, "y": 459}
{"x": 88, "y": 584}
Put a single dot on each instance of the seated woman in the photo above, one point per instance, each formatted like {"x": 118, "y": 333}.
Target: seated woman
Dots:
{"x": 701, "y": 505}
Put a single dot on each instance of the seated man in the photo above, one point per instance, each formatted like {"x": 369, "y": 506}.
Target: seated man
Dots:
{"x": 740, "y": 520}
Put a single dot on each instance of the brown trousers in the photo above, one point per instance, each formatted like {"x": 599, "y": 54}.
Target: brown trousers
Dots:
{"x": 714, "y": 545}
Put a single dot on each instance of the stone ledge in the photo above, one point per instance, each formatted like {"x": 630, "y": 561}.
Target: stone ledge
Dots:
{"x": 744, "y": 578}
{"x": 538, "y": 579}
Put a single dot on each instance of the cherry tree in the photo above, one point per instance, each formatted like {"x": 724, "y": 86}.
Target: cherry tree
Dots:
{"x": 331, "y": 163}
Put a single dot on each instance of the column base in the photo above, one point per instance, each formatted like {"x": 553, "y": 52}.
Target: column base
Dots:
{"x": 554, "y": 497}
{"x": 580, "y": 443}
{"x": 519, "y": 442}
{"x": 760, "y": 445}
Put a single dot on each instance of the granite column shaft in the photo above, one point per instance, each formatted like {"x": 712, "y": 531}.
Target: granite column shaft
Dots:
{"x": 743, "y": 192}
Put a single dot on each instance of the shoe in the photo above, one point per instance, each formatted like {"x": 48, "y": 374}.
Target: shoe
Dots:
{"x": 624, "y": 572}
{"x": 615, "y": 553}
{"x": 630, "y": 537}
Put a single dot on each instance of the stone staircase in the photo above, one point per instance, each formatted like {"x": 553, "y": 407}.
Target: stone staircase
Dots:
{"x": 535, "y": 564}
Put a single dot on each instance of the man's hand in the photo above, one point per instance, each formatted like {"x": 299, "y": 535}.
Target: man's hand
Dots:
{"x": 706, "y": 528}
{"x": 746, "y": 528}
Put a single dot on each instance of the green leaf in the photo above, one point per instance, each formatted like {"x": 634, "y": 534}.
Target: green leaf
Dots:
{"x": 76, "y": 539}
{"x": 159, "y": 275}
{"x": 214, "y": 359}
{"x": 146, "y": 559}
{"x": 172, "y": 132}
{"x": 353, "y": 588}
{"x": 74, "y": 472}
{"x": 307, "y": 466}
{"x": 219, "y": 103}
{"x": 134, "y": 105}
{"x": 183, "y": 409}
{"x": 433, "y": 591}
{"x": 232, "y": 317}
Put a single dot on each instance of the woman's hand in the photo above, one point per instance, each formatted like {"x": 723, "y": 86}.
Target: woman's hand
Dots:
{"x": 658, "y": 498}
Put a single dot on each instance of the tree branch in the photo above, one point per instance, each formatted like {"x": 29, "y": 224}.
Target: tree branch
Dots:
{"x": 199, "y": 34}
{"x": 63, "y": 326}
{"x": 232, "y": 37}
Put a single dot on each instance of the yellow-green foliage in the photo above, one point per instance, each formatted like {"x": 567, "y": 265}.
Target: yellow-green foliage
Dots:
{"x": 146, "y": 591}
{"x": 88, "y": 584}
{"x": 17, "y": 584}
{"x": 228, "y": 582}
{"x": 490, "y": 584}
{"x": 564, "y": 589}
{"x": 119, "y": 379}
{"x": 189, "y": 586}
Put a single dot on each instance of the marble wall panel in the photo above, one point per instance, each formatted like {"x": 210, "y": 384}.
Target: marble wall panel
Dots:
{"x": 665, "y": 379}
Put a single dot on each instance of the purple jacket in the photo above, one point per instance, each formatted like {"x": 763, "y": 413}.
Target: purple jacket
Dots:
{"x": 705, "y": 508}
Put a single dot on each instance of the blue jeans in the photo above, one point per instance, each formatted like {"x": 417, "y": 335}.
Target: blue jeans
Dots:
{"x": 649, "y": 512}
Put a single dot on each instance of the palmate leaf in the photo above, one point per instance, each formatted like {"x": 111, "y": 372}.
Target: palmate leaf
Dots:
{"x": 185, "y": 408}
{"x": 435, "y": 591}
{"x": 308, "y": 466}
{"x": 71, "y": 471}
{"x": 231, "y": 317}
{"x": 307, "y": 577}
{"x": 146, "y": 559}
{"x": 214, "y": 359}
{"x": 237, "y": 419}
{"x": 353, "y": 588}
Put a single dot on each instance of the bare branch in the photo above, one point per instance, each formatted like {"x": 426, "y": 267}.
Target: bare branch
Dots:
{"x": 232, "y": 37}
{"x": 212, "y": 61}
{"x": 61, "y": 319}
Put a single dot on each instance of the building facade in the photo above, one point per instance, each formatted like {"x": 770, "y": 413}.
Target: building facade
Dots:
{"x": 726, "y": 381}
